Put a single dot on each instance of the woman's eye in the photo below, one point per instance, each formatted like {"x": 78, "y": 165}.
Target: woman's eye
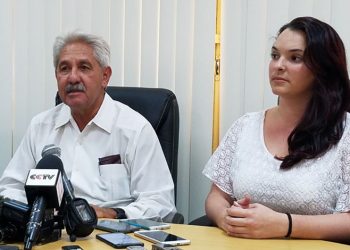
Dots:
{"x": 297, "y": 58}
{"x": 274, "y": 56}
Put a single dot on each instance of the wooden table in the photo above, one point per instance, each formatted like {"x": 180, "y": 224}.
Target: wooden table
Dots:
{"x": 203, "y": 238}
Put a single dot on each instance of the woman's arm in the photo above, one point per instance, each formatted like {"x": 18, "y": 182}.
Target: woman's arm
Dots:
{"x": 259, "y": 221}
{"x": 333, "y": 227}
{"x": 216, "y": 206}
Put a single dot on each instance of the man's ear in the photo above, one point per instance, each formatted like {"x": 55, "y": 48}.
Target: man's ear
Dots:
{"x": 107, "y": 72}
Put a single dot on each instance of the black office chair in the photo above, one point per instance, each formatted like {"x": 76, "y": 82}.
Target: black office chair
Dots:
{"x": 202, "y": 221}
{"x": 159, "y": 106}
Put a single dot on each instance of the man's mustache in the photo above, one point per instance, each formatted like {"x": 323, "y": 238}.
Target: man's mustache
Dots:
{"x": 75, "y": 87}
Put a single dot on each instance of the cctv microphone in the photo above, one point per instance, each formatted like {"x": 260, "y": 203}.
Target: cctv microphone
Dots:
{"x": 44, "y": 190}
{"x": 54, "y": 152}
{"x": 80, "y": 218}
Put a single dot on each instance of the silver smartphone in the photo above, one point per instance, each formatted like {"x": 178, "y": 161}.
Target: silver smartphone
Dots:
{"x": 116, "y": 226}
{"x": 147, "y": 224}
{"x": 158, "y": 236}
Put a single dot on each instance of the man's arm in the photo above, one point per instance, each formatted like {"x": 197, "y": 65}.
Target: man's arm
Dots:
{"x": 15, "y": 174}
{"x": 151, "y": 184}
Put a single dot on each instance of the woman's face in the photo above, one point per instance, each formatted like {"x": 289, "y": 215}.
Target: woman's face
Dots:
{"x": 289, "y": 76}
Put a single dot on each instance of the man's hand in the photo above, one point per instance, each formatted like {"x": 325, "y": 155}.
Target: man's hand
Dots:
{"x": 103, "y": 212}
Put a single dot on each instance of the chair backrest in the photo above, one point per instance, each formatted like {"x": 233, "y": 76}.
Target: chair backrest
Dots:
{"x": 159, "y": 106}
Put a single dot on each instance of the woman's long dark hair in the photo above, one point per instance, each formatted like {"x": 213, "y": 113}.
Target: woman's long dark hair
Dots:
{"x": 322, "y": 125}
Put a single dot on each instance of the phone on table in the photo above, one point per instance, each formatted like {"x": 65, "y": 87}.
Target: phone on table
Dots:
{"x": 135, "y": 248}
{"x": 114, "y": 226}
{"x": 160, "y": 246}
{"x": 158, "y": 236}
{"x": 8, "y": 247}
{"x": 71, "y": 247}
{"x": 119, "y": 240}
{"x": 147, "y": 224}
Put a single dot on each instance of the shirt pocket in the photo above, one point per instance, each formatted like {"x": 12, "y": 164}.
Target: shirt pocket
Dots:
{"x": 116, "y": 181}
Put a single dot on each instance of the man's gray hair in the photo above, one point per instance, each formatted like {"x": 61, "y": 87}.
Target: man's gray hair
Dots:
{"x": 99, "y": 46}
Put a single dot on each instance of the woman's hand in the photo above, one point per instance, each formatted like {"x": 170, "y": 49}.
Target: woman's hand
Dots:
{"x": 243, "y": 203}
{"x": 247, "y": 220}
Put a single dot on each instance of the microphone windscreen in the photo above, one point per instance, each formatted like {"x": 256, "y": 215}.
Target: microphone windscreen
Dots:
{"x": 51, "y": 149}
{"x": 50, "y": 162}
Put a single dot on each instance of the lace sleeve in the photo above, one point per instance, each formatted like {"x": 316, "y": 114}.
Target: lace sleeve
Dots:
{"x": 343, "y": 202}
{"x": 218, "y": 168}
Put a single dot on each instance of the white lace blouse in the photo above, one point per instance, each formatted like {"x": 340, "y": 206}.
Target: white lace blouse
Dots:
{"x": 243, "y": 165}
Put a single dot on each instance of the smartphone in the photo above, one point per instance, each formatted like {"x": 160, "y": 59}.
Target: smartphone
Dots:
{"x": 157, "y": 236}
{"x": 119, "y": 240}
{"x": 71, "y": 247}
{"x": 147, "y": 224}
{"x": 160, "y": 246}
{"x": 135, "y": 248}
{"x": 5, "y": 247}
{"x": 116, "y": 226}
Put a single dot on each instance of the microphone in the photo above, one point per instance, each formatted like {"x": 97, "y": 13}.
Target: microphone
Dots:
{"x": 43, "y": 189}
{"x": 80, "y": 218}
{"x": 13, "y": 218}
{"x": 54, "y": 152}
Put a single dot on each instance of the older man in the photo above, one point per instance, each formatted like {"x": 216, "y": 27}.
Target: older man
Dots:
{"x": 110, "y": 152}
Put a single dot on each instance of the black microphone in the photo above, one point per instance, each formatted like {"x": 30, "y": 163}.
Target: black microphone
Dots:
{"x": 54, "y": 152}
{"x": 44, "y": 190}
{"x": 80, "y": 218}
{"x": 13, "y": 218}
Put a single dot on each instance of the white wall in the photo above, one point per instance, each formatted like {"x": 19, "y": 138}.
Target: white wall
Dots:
{"x": 154, "y": 43}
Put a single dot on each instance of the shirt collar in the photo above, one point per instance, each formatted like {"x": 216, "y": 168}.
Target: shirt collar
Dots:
{"x": 103, "y": 119}
{"x": 106, "y": 114}
{"x": 63, "y": 115}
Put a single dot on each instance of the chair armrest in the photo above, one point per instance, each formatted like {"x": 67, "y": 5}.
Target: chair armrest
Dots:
{"x": 175, "y": 218}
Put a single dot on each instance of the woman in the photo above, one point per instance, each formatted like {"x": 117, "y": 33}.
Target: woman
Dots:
{"x": 289, "y": 166}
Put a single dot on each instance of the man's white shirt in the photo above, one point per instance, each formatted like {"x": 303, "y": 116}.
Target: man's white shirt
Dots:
{"x": 141, "y": 183}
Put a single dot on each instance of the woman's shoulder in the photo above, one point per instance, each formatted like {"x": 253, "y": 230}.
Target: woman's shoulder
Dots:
{"x": 254, "y": 115}
{"x": 246, "y": 122}
{"x": 347, "y": 118}
{"x": 344, "y": 142}
{"x": 346, "y": 133}
{"x": 347, "y": 124}
{"x": 250, "y": 117}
